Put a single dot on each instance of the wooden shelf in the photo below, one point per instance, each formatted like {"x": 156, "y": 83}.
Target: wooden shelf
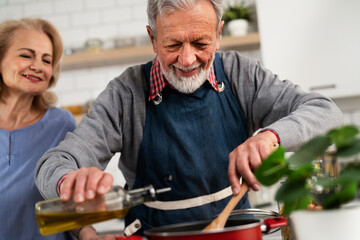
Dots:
{"x": 243, "y": 43}
{"x": 145, "y": 53}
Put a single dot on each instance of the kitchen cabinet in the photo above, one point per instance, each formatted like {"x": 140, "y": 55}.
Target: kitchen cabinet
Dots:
{"x": 312, "y": 43}
{"x": 145, "y": 53}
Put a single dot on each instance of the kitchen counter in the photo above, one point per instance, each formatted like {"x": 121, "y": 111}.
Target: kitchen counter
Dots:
{"x": 273, "y": 236}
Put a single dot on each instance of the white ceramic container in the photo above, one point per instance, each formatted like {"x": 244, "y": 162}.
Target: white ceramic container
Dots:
{"x": 337, "y": 224}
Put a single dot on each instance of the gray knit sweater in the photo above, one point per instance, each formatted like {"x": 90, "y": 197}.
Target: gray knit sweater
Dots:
{"x": 117, "y": 118}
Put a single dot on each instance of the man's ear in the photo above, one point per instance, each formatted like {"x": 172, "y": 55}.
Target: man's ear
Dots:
{"x": 152, "y": 38}
{"x": 219, "y": 36}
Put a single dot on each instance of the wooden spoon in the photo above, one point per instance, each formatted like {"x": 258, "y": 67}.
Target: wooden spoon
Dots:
{"x": 220, "y": 221}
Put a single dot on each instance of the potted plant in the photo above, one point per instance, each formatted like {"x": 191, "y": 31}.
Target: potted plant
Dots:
{"x": 304, "y": 182}
{"x": 237, "y": 18}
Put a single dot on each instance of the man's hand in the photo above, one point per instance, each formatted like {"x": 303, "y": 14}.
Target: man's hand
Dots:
{"x": 85, "y": 183}
{"x": 249, "y": 156}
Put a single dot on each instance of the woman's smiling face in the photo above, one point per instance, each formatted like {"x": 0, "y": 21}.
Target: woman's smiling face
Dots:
{"x": 27, "y": 64}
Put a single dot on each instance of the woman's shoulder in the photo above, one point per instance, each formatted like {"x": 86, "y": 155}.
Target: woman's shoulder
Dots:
{"x": 64, "y": 116}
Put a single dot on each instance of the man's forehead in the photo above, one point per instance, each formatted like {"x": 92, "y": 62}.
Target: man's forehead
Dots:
{"x": 202, "y": 12}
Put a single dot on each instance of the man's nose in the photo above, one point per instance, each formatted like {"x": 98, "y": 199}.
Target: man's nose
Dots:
{"x": 187, "y": 56}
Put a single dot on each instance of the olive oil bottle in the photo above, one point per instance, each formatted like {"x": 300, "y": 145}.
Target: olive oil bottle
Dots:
{"x": 54, "y": 216}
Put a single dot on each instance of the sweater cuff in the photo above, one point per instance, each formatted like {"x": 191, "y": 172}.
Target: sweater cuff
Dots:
{"x": 59, "y": 183}
{"x": 273, "y": 131}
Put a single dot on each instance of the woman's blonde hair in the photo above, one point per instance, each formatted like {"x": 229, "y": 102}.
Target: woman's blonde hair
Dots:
{"x": 7, "y": 30}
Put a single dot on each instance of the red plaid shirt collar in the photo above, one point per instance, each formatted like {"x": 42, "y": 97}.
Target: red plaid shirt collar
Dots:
{"x": 158, "y": 82}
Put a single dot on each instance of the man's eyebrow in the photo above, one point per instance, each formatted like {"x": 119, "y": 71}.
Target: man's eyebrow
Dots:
{"x": 197, "y": 38}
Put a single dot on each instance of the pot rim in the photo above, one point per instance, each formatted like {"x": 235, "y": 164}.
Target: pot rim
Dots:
{"x": 255, "y": 211}
{"x": 255, "y": 222}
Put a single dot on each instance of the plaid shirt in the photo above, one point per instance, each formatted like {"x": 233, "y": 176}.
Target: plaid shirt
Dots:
{"x": 158, "y": 82}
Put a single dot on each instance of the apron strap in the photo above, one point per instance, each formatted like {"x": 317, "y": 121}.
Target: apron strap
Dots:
{"x": 191, "y": 202}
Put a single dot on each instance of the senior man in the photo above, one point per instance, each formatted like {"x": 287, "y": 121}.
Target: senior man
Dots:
{"x": 185, "y": 120}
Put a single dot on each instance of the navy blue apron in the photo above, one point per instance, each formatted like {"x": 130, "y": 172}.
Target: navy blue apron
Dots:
{"x": 186, "y": 145}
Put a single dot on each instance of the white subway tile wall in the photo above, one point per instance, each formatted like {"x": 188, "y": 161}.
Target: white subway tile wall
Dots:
{"x": 350, "y": 107}
{"x": 78, "y": 21}
{"x": 84, "y": 85}
{"x": 7, "y": 12}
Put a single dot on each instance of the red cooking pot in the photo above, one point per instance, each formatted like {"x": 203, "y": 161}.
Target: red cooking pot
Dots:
{"x": 235, "y": 229}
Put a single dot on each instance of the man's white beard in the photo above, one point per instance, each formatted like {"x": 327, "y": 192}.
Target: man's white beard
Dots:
{"x": 186, "y": 84}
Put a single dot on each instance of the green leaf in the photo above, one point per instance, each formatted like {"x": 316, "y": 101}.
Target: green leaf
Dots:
{"x": 301, "y": 173}
{"x": 350, "y": 173}
{"x": 346, "y": 194}
{"x": 326, "y": 182}
{"x": 349, "y": 150}
{"x": 343, "y": 136}
{"x": 292, "y": 190}
{"x": 298, "y": 204}
{"x": 310, "y": 151}
{"x": 273, "y": 168}
{"x": 237, "y": 11}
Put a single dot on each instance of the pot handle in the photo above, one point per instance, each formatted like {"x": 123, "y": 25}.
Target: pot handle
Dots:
{"x": 271, "y": 223}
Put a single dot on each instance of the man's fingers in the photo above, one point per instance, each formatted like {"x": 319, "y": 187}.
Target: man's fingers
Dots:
{"x": 105, "y": 183}
{"x": 94, "y": 178}
{"x": 85, "y": 183}
{"x": 249, "y": 177}
{"x": 234, "y": 182}
{"x": 240, "y": 167}
{"x": 67, "y": 186}
{"x": 233, "y": 176}
{"x": 254, "y": 158}
{"x": 79, "y": 189}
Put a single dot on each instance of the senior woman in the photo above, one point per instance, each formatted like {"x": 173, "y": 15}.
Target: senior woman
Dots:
{"x": 30, "y": 52}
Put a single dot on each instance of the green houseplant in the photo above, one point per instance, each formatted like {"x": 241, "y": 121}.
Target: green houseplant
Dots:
{"x": 237, "y": 11}
{"x": 302, "y": 182}
{"x": 237, "y": 17}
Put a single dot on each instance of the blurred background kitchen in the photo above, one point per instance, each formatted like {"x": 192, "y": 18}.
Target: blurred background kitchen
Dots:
{"x": 313, "y": 43}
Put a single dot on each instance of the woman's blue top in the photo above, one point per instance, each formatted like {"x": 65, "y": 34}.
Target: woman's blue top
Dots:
{"x": 20, "y": 150}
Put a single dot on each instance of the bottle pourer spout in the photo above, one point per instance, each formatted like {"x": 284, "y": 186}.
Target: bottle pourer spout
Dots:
{"x": 162, "y": 190}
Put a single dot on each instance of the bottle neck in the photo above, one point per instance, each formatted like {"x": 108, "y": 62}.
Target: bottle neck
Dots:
{"x": 139, "y": 196}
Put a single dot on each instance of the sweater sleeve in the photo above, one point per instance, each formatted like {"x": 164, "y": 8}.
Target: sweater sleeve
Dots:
{"x": 114, "y": 124}
{"x": 96, "y": 139}
{"x": 269, "y": 102}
